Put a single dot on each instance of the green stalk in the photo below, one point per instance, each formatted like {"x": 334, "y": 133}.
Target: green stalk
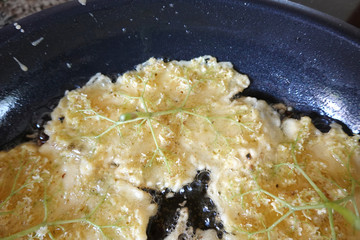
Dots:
{"x": 346, "y": 213}
{"x": 146, "y": 115}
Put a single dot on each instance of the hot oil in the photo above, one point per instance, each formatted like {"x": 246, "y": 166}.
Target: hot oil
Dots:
{"x": 193, "y": 196}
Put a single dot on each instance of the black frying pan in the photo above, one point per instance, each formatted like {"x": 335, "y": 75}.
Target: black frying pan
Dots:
{"x": 292, "y": 54}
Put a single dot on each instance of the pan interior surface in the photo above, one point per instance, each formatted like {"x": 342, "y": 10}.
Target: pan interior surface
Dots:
{"x": 291, "y": 54}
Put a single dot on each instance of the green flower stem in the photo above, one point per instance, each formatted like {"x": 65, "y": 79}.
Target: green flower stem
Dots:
{"x": 25, "y": 232}
{"x": 273, "y": 225}
{"x": 125, "y": 117}
{"x": 55, "y": 223}
{"x": 158, "y": 147}
{"x": 346, "y": 213}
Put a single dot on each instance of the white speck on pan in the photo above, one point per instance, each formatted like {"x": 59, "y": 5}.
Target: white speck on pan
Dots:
{"x": 22, "y": 66}
{"x": 82, "y": 2}
{"x": 36, "y": 42}
{"x": 18, "y": 27}
{"x": 92, "y": 15}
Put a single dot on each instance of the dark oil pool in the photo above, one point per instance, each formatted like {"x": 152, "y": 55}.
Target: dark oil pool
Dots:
{"x": 193, "y": 196}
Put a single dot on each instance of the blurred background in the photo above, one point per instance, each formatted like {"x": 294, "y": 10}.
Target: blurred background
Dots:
{"x": 347, "y": 10}
{"x": 13, "y": 10}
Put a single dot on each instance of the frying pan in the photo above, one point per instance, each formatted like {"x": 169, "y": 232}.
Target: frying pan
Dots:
{"x": 291, "y": 53}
